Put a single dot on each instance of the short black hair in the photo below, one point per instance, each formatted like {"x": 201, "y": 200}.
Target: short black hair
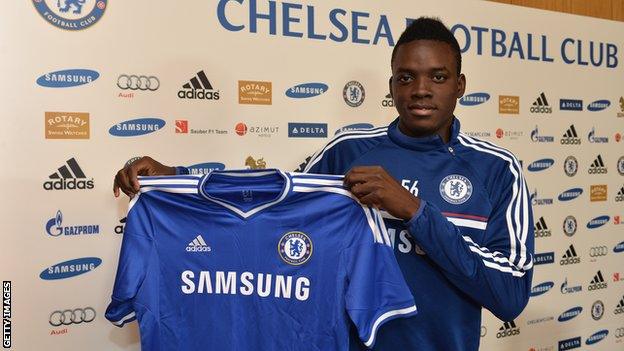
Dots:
{"x": 429, "y": 28}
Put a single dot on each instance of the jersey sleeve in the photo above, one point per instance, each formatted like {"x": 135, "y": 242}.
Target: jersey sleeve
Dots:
{"x": 135, "y": 256}
{"x": 376, "y": 292}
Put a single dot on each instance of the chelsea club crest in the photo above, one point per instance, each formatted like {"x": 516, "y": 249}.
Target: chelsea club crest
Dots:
{"x": 295, "y": 248}
{"x": 71, "y": 14}
{"x": 455, "y": 189}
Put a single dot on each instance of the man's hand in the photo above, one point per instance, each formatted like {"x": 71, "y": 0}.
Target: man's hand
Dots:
{"x": 126, "y": 178}
{"x": 373, "y": 186}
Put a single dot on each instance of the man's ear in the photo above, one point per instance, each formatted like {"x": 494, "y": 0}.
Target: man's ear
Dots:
{"x": 461, "y": 85}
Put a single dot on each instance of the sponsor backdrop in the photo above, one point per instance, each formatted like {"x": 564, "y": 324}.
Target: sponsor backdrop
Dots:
{"x": 90, "y": 85}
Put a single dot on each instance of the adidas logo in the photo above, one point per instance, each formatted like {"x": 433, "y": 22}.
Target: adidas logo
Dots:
{"x": 598, "y": 282}
{"x": 597, "y": 167}
{"x": 570, "y": 137}
{"x": 198, "y": 245}
{"x": 387, "y": 102}
{"x": 541, "y": 229}
{"x": 570, "y": 257}
{"x": 67, "y": 178}
{"x": 541, "y": 105}
{"x": 620, "y": 195}
{"x": 198, "y": 87}
{"x": 620, "y": 307}
{"x": 508, "y": 329}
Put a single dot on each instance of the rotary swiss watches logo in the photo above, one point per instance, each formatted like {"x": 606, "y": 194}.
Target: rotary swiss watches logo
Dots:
{"x": 455, "y": 189}
{"x": 295, "y": 248}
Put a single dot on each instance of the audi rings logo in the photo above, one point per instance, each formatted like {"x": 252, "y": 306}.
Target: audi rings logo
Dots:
{"x": 598, "y": 251}
{"x": 75, "y": 316}
{"x": 134, "y": 82}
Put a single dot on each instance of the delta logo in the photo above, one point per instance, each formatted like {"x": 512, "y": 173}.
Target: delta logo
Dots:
{"x": 541, "y": 165}
{"x": 255, "y": 93}
{"x": 355, "y": 126}
{"x": 67, "y": 125}
{"x": 69, "y": 177}
{"x": 598, "y": 192}
{"x": 136, "y": 127}
{"x": 54, "y": 227}
{"x": 508, "y": 104}
{"x": 205, "y": 168}
{"x": 597, "y": 337}
{"x": 570, "y": 105}
{"x": 198, "y": 88}
{"x": 541, "y": 105}
{"x": 536, "y": 137}
{"x": 570, "y": 314}
{"x": 70, "y": 268}
{"x": 598, "y": 222}
{"x": 306, "y": 90}
{"x": 544, "y": 258}
{"x": 474, "y": 99}
{"x": 67, "y": 78}
{"x": 592, "y": 138}
{"x": 570, "y": 194}
{"x": 569, "y": 344}
{"x": 536, "y": 201}
{"x": 508, "y": 329}
{"x": 598, "y": 105}
{"x": 541, "y": 289}
{"x": 307, "y": 130}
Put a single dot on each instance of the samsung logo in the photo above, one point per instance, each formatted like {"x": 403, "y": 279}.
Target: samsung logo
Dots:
{"x": 598, "y": 222}
{"x": 544, "y": 258}
{"x": 619, "y": 247}
{"x": 356, "y": 126}
{"x": 541, "y": 289}
{"x": 571, "y": 105}
{"x": 205, "y": 168}
{"x": 139, "y": 126}
{"x": 568, "y": 344}
{"x": 569, "y": 314}
{"x": 67, "y": 78}
{"x": 570, "y": 194}
{"x": 541, "y": 165}
{"x": 306, "y": 90}
{"x": 598, "y": 105}
{"x": 70, "y": 268}
{"x": 596, "y": 337}
{"x": 474, "y": 99}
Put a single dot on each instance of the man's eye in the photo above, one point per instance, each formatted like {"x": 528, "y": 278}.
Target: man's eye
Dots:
{"x": 405, "y": 78}
{"x": 439, "y": 78}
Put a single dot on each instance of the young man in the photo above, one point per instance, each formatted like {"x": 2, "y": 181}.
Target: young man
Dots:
{"x": 460, "y": 217}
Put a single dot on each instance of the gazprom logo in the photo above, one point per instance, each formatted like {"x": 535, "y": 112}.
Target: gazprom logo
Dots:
{"x": 541, "y": 289}
{"x": 598, "y": 222}
{"x": 598, "y": 105}
{"x": 541, "y": 165}
{"x": 570, "y": 194}
{"x": 205, "y": 168}
{"x": 569, "y": 314}
{"x": 306, "y": 90}
{"x": 619, "y": 247}
{"x": 139, "y": 126}
{"x": 67, "y": 78}
{"x": 356, "y": 126}
{"x": 596, "y": 337}
{"x": 70, "y": 268}
{"x": 474, "y": 99}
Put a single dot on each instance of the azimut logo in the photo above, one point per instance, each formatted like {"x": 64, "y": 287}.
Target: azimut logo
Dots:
{"x": 474, "y": 99}
{"x": 565, "y": 289}
{"x": 352, "y": 127}
{"x": 508, "y": 104}
{"x": 507, "y": 329}
{"x": 541, "y": 229}
{"x": 541, "y": 105}
{"x": 541, "y": 165}
{"x": 67, "y": 125}
{"x": 69, "y": 177}
{"x": 198, "y": 88}
{"x": 71, "y": 14}
{"x": 541, "y": 289}
{"x": 592, "y": 138}
{"x": 138, "y": 126}
{"x": 55, "y": 227}
{"x": 67, "y": 78}
{"x": 255, "y": 93}
{"x": 569, "y": 314}
{"x": 598, "y": 105}
{"x": 570, "y": 105}
{"x": 205, "y": 168}
{"x": 598, "y": 282}
{"x": 570, "y": 137}
{"x": 598, "y": 166}
{"x": 536, "y": 137}
{"x": 544, "y": 258}
{"x": 570, "y": 257}
{"x": 597, "y": 337}
{"x": 306, "y": 90}
{"x": 570, "y": 194}
{"x": 307, "y": 130}
{"x": 598, "y": 222}
{"x": 598, "y": 192}
{"x": 536, "y": 201}
{"x": 70, "y": 268}
{"x": 264, "y": 131}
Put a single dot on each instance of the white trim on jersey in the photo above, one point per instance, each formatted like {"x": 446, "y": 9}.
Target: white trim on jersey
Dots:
{"x": 312, "y": 181}
{"x": 189, "y": 190}
{"x": 124, "y": 319}
{"x": 460, "y": 222}
{"x": 383, "y": 318}
{"x": 168, "y": 181}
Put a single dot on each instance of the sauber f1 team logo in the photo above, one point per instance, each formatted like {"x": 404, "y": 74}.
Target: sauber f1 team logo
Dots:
{"x": 295, "y": 248}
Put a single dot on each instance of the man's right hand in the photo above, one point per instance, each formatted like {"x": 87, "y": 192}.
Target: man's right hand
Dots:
{"x": 126, "y": 178}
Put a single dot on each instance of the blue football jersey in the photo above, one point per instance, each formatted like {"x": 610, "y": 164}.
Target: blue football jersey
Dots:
{"x": 255, "y": 260}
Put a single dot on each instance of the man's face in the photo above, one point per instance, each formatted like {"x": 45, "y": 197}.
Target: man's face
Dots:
{"x": 425, "y": 87}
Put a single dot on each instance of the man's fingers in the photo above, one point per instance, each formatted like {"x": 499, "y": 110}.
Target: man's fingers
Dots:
{"x": 131, "y": 173}
{"x": 362, "y": 189}
{"x": 370, "y": 199}
{"x": 124, "y": 184}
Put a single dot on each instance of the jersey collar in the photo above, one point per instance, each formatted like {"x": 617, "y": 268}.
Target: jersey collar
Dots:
{"x": 205, "y": 183}
{"x": 421, "y": 144}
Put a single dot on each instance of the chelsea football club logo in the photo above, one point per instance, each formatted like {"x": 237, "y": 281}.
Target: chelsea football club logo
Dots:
{"x": 620, "y": 165}
{"x": 455, "y": 189}
{"x": 570, "y": 166}
{"x": 295, "y": 248}
{"x": 71, "y": 14}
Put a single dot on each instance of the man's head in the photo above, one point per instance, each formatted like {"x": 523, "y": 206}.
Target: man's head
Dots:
{"x": 426, "y": 78}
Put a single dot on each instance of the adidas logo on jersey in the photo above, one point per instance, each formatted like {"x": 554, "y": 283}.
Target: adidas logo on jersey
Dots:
{"x": 541, "y": 229}
{"x": 198, "y": 87}
{"x": 570, "y": 257}
{"x": 597, "y": 167}
{"x": 508, "y": 329}
{"x": 620, "y": 195}
{"x": 198, "y": 245}
{"x": 620, "y": 307}
{"x": 69, "y": 177}
{"x": 570, "y": 137}
{"x": 541, "y": 105}
{"x": 598, "y": 282}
